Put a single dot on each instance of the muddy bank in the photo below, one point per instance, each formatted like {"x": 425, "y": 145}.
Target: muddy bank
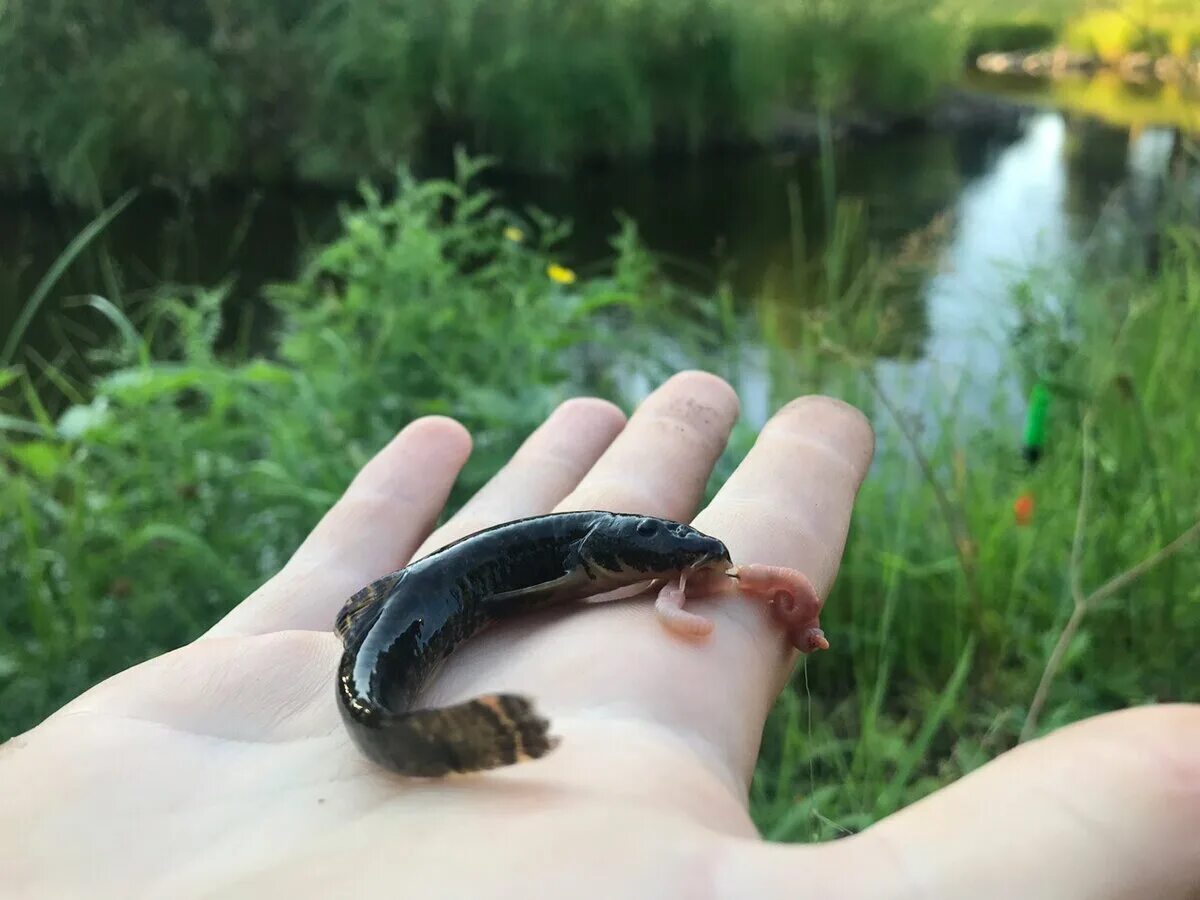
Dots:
{"x": 1061, "y": 62}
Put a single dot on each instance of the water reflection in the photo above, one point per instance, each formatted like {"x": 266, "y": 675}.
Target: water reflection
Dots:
{"x": 995, "y": 204}
{"x": 1011, "y": 221}
{"x": 1105, "y": 96}
{"x": 245, "y": 238}
{"x": 1024, "y": 206}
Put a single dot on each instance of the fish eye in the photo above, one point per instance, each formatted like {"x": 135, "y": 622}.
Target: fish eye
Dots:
{"x": 647, "y": 527}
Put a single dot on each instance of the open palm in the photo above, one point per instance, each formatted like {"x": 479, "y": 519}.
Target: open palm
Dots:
{"x": 222, "y": 768}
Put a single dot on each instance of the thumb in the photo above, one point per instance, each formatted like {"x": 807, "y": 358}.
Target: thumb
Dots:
{"x": 1106, "y": 808}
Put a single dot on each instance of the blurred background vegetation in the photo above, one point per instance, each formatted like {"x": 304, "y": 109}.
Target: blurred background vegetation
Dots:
{"x": 95, "y": 98}
{"x": 243, "y": 243}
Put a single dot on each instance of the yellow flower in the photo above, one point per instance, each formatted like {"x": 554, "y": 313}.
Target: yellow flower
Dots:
{"x": 516, "y": 235}
{"x": 561, "y": 274}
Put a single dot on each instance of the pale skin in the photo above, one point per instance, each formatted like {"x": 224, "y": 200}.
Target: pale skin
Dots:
{"x": 222, "y": 769}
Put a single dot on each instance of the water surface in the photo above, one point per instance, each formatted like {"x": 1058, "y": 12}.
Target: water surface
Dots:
{"x": 995, "y": 204}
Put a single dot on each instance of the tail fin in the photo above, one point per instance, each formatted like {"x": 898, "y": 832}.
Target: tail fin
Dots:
{"x": 483, "y": 733}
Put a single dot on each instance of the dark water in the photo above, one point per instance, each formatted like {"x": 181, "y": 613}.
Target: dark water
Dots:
{"x": 998, "y": 202}
{"x": 245, "y": 238}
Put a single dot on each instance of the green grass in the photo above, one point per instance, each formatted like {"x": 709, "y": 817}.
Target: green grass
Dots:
{"x": 92, "y": 101}
{"x": 1108, "y": 30}
{"x": 1157, "y": 27}
{"x": 1007, "y": 36}
{"x": 184, "y": 477}
{"x": 947, "y": 611}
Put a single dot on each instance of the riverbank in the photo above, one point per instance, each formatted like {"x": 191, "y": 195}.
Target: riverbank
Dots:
{"x": 725, "y": 214}
{"x": 1061, "y": 62}
{"x": 1143, "y": 42}
{"x": 788, "y": 129}
{"x": 953, "y": 109}
{"x": 96, "y": 102}
{"x": 733, "y": 215}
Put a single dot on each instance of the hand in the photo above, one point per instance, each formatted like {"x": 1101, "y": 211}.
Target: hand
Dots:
{"x": 222, "y": 768}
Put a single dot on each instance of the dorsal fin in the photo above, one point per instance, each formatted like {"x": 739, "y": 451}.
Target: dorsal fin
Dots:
{"x": 361, "y": 610}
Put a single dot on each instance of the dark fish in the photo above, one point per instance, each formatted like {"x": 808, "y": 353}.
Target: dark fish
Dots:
{"x": 399, "y": 628}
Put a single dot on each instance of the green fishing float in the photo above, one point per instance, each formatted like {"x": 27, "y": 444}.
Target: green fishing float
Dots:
{"x": 1035, "y": 423}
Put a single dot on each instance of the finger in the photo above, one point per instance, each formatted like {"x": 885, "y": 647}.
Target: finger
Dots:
{"x": 787, "y": 504}
{"x": 385, "y": 513}
{"x": 661, "y": 462}
{"x": 541, "y": 473}
{"x": 1104, "y": 809}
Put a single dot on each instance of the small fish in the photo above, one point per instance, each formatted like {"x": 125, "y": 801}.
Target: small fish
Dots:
{"x": 398, "y": 629}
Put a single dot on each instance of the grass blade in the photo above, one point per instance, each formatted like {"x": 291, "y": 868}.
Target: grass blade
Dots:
{"x": 55, "y": 272}
{"x": 889, "y": 798}
{"x": 134, "y": 341}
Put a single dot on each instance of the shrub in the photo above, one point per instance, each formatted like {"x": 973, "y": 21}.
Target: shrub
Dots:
{"x": 1010, "y": 37}
{"x": 1112, "y": 34}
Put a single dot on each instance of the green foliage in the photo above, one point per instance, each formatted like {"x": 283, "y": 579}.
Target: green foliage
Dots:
{"x": 1011, "y": 36}
{"x": 1108, "y": 35}
{"x": 1108, "y": 30}
{"x": 98, "y": 99}
{"x": 1156, "y": 27}
{"x": 168, "y": 106}
{"x": 835, "y": 52}
{"x": 363, "y": 89}
{"x": 188, "y": 92}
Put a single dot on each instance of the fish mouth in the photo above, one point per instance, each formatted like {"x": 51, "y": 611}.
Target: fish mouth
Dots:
{"x": 711, "y": 561}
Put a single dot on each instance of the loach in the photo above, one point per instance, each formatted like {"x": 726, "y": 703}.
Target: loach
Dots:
{"x": 396, "y": 630}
